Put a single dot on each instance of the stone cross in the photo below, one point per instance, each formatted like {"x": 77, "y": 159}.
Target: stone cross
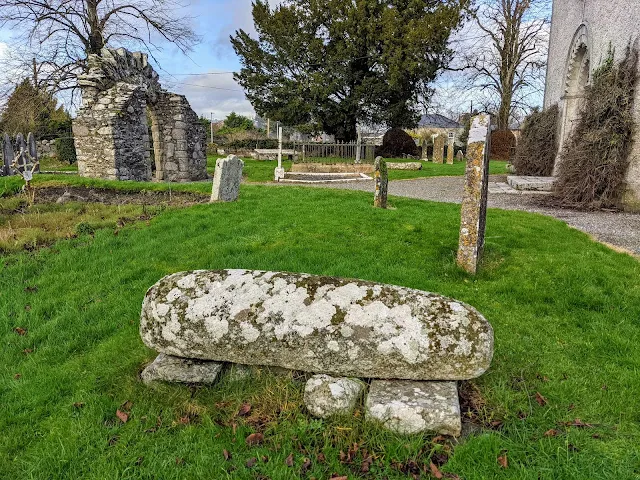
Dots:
{"x": 474, "y": 200}
{"x": 382, "y": 183}
{"x": 279, "y": 173}
{"x": 451, "y": 147}
{"x": 7, "y": 155}
{"x": 226, "y": 179}
{"x": 438, "y": 149}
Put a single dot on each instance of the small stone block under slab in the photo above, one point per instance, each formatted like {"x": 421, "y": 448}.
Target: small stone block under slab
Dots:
{"x": 531, "y": 184}
{"x": 167, "y": 368}
{"x": 325, "y": 396}
{"x": 410, "y": 407}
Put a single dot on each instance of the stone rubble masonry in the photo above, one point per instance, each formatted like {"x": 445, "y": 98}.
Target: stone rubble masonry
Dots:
{"x": 438, "y": 149}
{"x": 326, "y": 396}
{"x": 226, "y": 179}
{"x": 381, "y": 177}
{"x": 474, "y": 200}
{"x": 111, "y": 130}
{"x": 166, "y": 368}
{"x": 408, "y": 407}
{"x": 341, "y": 327}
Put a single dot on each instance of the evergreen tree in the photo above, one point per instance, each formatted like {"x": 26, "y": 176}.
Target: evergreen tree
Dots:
{"x": 337, "y": 62}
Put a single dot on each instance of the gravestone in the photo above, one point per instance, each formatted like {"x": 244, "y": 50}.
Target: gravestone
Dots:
{"x": 226, "y": 179}
{"x": 425, "y": 150}
{"x": 438, "y": 149}
{"x": 32, "y": 148}
{"x": 450, "y": 150}
{"x": 474, "y": 200}
{"x": 7, "y": 155}
{"x": 382, "y": 183}
{"x": 460, "y": 156}
{"x": 21, "y": 147}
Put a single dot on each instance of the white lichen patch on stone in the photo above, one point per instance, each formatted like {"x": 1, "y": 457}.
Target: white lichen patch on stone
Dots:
{"x": 316, "y": 324}
{"x": 408, "y": 407}
{"x": 325, "y": 396}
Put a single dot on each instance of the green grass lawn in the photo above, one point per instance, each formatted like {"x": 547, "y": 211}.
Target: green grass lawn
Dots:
{"x": 262, "y": 171}
{"x": 565, "y": 311}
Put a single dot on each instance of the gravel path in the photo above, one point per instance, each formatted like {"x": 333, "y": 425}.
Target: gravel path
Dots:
{"x": 620, "y": 230}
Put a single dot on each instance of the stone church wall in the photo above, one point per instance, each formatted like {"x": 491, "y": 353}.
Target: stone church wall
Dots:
{"x": 607, "y": 23}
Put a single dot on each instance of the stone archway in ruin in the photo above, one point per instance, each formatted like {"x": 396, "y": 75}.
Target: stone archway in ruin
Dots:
{"x": 577, "y": 77}
{"x": 120, "y": 93}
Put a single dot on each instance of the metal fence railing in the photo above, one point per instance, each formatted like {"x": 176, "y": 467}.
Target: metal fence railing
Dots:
{"x": 309, "y": 152}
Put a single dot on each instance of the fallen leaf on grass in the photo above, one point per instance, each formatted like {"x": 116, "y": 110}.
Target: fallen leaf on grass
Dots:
{"x": 179, "y": 461}
{"x": 33, "y": 289}
{"x": 27, "y": 351}
{"x": 17, "y": 376}
{"x": 254, "y": 439}
{"x": 503, "y": 461}
{"x": 27, "y": 308}
{"x": 289, "y": 460}
{"x": 20, "y": 331}
{"x": 251, "y": 462}
{"x": 540, "y": 399}
{"x": 551, "y": 433}
{"x": 343, "y": 477}
{"x": 321, "y": 458}
{"x": 578, "y": 423}
{"x": 78, "y": 405}
{"x": 127, "y": 405}
{"x": 244, "y": 410}
{"x": 306, "y": 465}
{"x": 122, "y": 416}
{"x": 435, "y": 471}
{"x": 226, "y": 454}
{"x": 366, "y": 464}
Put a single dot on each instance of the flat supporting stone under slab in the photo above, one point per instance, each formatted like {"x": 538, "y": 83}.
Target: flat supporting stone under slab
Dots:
{"x": 325, "y": 396}
{"x": 410, "y": 407}
{"x": 535, "y": 184}
{"x": 167, "y": 368}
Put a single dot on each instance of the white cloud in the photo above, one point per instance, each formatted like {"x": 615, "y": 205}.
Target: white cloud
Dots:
{"x": 219, "y": 94}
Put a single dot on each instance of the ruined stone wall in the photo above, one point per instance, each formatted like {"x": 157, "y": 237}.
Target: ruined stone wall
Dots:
{"x": 111, "y": 129}
{"x": 179, "y": 140}
{"x": 606, "y": 23}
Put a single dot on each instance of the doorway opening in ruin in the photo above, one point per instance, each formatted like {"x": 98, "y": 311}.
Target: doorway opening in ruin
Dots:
{"x": 157, "y": 144}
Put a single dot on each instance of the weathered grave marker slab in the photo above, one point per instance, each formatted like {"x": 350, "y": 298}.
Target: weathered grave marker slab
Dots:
{"x": 460, "y": 156}
{"x": 381, "y": 176}
{"x": 226, "y": 179}
{"x": 32, "y": 148}
{"x": 425, "y": 150}
{"x": 474, "y": 200}
{"x": 7, "y": 155}
{"x": 438, "y": 149}
{"x": 341, "y": 327}
{"x": 450, "y": 148}
{"x": 21, "y": 146}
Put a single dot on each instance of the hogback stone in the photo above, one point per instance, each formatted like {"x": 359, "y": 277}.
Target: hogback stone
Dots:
{"x": 340, "y": 327}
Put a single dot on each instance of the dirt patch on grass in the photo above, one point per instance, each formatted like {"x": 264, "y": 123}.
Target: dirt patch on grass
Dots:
{"x": 117, "y": 197}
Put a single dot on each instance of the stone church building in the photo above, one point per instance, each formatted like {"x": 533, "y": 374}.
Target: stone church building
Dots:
{"x": 582, "y": 31}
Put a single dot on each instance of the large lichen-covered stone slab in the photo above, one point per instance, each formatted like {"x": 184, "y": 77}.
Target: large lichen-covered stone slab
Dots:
{"x": 326, "y": 396}
{"x": 346, "y": 328}
{"x": 167, "y": 368}
{"x": 408, "y": 407}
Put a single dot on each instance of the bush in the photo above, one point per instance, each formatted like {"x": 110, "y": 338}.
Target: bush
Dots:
{"x": 66, "y": 150}
{"x": 502, "y": 144}
{"x": 595, "y": 159}
{"x": 538, "y": 146}
{"x": 397, "y": 142}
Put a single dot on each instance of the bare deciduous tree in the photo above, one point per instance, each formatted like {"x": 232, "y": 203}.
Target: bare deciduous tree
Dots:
{"x": 508, "y": 60}
{"x": 59, "y": 34}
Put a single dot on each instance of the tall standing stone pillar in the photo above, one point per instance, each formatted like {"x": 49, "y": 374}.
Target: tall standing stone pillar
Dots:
{"x": 438, "y": 149}
{"x": 382, "y": 183}
{"x": 474, "y": 201}
{"x": 450, "y": 148}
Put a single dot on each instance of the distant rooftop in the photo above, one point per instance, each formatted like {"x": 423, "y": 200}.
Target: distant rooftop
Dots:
{"x": 437, "y": 121}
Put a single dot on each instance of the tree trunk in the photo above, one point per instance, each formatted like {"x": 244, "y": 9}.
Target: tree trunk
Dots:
{"x": 96, "y": 39}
